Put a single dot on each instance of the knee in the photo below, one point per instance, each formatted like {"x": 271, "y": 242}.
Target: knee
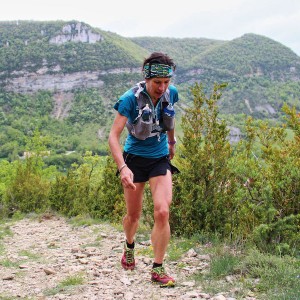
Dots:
{"x": 132, "y": 218}
{"x": 161, "y": 215}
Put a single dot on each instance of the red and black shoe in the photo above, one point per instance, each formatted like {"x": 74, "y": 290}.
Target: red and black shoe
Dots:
{"x": 160, "y": 277}
{"x": 128, "y": 261}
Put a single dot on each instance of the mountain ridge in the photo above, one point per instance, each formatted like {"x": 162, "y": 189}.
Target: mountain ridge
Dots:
{"x": 79, "y": 48}
{"x": 84, "y": 70}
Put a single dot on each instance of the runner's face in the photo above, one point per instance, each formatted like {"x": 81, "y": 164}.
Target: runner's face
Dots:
{"x": 157, "y": 86}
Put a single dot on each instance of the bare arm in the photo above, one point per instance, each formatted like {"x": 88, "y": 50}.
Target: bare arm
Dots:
{"x": 171, "y": 137}
{"x": 115, "y": 148}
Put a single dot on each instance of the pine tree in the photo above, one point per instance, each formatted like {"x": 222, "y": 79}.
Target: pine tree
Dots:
{"x": 203, "y": 189}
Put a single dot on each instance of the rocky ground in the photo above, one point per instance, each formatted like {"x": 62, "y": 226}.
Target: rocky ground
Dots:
{"x": 48, "y": 258}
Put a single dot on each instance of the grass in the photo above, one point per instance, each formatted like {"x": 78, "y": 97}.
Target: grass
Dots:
{"x": 2, "y": 249}
{"x": 95, "y": 244}
{"x": 279, "y": 277}
{"x": 29, "y": 254}
{"x": 72, "y": 280}
{"x": 223, "y": 265}
{"x": 14, "y": 264}
{"x": 252, "y": 272}
{"x": 145, "y": 251}
{"x": 5, "y": 231}
{"x": 8, "y": 263}
{"x": 177, "y": 247}
{"x": 80, "y": 220}
{"x": 66, "y": 284}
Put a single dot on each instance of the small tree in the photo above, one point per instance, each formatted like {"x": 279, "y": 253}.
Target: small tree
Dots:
{"x": 28, "y": 190}
{"x": 203, "y": 190}
{"x": 76, "y": 193}
{"x": 266, "y": 166}
{"x": 111, "y": 204}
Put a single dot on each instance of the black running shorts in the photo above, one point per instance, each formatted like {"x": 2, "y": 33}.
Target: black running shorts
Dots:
{"x": 145, "y": 168}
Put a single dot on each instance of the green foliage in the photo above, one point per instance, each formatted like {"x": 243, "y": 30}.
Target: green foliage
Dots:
{"x": 72, "y": 280}
{"x": 63, "y": 162}
{"x": 28, "y": 191}
{"x": 87, "y": 107}
{"x": 76, "y": 193}
{"x": 148, "y": 208}
{"x": 251, "y": 272}
{"x": 87, "y": 123}
{"x": 178, "y": 247}
{"x": 90, "y": 189}
{"x": 278, "y": 277}
{"x": 22, "y": 114}
{"x": 202, "y": 194}
{"x": 66, "y": 284}
{"x": 249, "y": 190}
{"x": 111, "y": 206}
{"x": 7, "y": 173}
{"x": 293, "y": 119}
{"x": 4, "y": 231}
{"x": 223, "y": 265}
{"x": 7, "y": 263}
{"x": 280, "y": 236}
{"x": 251, "y": 54}
{"x": 266, "y": 166}
{"x": 27, "y": 187}
{"x": 185, "y": 51}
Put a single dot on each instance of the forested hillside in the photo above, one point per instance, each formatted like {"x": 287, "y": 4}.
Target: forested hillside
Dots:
{"x": 261, "y": 73}
{"x": 62, "y": 78}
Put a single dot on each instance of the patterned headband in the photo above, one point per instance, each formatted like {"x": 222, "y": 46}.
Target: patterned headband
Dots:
{"x": 157, "y": 70}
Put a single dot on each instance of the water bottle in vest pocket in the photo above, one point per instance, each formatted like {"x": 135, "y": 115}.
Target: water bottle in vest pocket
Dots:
{"x": 142, "y": 128}
{"x": 168, "y": 117}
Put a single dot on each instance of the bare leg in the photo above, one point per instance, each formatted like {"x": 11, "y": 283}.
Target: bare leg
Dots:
{"x": 161, "y": 189}
{"x": 134, "y": 201}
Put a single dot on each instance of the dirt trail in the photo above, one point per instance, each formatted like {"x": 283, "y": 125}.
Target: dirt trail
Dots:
{"x": 41, "y": 257}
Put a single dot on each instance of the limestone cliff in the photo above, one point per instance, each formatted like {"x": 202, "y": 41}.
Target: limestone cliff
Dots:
{"x": 42, "y": 80}
{"x": 76, "y": 32}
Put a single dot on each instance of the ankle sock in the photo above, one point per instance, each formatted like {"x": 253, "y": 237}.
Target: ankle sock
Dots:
{"x": 130, "y": 246}
{"x": 155, "y": 265}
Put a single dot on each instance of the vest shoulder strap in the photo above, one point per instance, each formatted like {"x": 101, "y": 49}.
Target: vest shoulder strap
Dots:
{"x": 143, "y": 100}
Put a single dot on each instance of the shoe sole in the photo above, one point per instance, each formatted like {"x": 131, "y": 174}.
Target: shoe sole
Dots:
{"x": 169, "y": 284}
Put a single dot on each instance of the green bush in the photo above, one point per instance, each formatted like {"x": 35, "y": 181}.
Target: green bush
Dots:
{"x": 280, "y": 237}
{"x": 278, "y": 277}
{"x": 204, "y": 188}
{"x": 28, "y": 190}
{"x": 249, "y": 190}
{"x": 75, "y": 193}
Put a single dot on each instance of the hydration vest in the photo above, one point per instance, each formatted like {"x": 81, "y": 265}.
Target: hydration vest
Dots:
{"x": 142, "y": 129}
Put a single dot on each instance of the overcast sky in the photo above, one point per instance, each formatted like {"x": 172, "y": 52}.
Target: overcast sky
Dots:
{"x": 216, "y": 19}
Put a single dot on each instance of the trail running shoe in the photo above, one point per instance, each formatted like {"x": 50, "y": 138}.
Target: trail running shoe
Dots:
{"x": 159, "y": 276}
{"x": 128, "y": 261}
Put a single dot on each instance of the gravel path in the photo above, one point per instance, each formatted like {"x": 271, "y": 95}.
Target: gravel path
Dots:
{"x": 48, "y": 258}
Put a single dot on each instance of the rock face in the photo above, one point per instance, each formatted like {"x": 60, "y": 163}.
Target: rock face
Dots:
{"x": 56, "y": 83}
{"x": 33, "y": 82}
{"x": 76, "y": 32}
{"x": 50, "y": 259}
